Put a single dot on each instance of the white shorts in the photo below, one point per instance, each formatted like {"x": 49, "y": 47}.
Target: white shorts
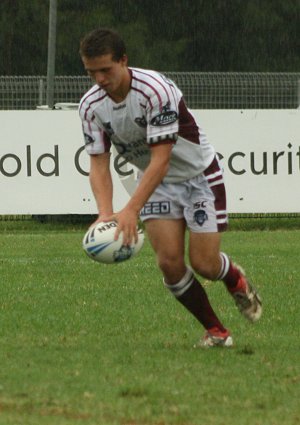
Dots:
{"x": 201, "y": 201}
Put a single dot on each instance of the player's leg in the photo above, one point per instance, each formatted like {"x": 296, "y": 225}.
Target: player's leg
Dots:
{"x": 238, "y": 285}
{"x": 168, "y": 240}
{"x": 204, "y": 253}
{"x": 207, "y": 260}
{"x": 206, "y": 217}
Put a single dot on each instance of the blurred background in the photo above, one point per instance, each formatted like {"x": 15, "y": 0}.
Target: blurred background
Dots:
{"x": 224, "y": 54}
{"x": 167, "y": 35}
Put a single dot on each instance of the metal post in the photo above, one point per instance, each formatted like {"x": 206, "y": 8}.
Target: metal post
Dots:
{"x": 41, "y": 92}
{"x": 51, "y": 53}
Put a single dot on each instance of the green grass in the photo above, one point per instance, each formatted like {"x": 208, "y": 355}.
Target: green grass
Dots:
{"x": 84, "y": 343}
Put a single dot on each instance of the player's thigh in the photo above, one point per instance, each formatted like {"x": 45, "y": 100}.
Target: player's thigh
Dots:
{"x": 166, "y": 236}
{"x": 204, "y": 253}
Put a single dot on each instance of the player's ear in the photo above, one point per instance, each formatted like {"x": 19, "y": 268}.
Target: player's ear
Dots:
{"x": 124, "y": 60}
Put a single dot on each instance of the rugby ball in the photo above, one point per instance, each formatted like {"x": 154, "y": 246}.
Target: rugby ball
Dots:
{"x": 99, "y": 244}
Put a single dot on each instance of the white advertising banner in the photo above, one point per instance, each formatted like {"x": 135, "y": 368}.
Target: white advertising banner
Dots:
{"x": 44, "y": 167}
{"x": 260, "y": 151}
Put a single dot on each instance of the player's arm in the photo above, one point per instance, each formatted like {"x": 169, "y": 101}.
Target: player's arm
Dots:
{"x": 155, "y": 172}
{"x": 97, "y": 145}
{"x": 101, "y": 183}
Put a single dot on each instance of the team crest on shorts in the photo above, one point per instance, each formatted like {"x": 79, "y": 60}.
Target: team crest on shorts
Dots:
{"x": 200, "y": 217}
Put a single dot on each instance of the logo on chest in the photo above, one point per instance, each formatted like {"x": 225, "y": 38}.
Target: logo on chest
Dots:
{"x": 141, "y": 122}
{"x": 108, "y": 128}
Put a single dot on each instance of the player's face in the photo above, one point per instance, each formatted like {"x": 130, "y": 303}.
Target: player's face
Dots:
{"x": 112, "y": 76}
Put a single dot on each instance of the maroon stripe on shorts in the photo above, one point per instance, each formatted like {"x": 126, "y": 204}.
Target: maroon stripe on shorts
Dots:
{"x": 217, "y": 186}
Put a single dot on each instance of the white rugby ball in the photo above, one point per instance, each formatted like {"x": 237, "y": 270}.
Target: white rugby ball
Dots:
{"x": 99, "y": 244}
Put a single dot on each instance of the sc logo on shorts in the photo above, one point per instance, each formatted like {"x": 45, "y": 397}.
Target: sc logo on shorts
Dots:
{"x": 200, "y": 204}
{"x": 200, "y": 217}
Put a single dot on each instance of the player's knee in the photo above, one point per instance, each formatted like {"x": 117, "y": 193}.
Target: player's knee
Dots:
{"x": 172, "y": 268}
{"x": 167, "y": 264}
{"x": 207, "y": 268}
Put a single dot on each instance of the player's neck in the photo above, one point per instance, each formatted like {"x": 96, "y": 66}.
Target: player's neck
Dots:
{"x": 122, "y": 91}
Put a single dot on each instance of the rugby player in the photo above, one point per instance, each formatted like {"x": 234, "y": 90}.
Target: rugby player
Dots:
{"x": 180, "y": 184}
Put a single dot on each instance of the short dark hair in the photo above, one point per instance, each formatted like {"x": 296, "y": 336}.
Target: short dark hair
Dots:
{"x": 102, "y": 41}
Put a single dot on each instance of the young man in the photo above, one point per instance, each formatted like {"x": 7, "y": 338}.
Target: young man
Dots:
{"x": 143, "y": 114}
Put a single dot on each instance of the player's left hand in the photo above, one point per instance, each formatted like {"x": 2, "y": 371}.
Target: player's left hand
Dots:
{"x": 127, "y": 221}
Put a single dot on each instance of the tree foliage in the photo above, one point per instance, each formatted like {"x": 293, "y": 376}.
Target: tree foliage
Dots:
{"x": 168, "y": 35}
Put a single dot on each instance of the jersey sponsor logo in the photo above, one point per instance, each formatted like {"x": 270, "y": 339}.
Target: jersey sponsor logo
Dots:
{"x": 131, "y": 150}
{"x": 200, "y": 217}
{"x": 156, "y": 208}
{"x": 88, "y": 139}
{"x": 141, "y": 122}
{"x": 166, "y": 116}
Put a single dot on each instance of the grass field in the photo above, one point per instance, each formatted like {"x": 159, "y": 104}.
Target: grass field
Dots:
{"x": 84, "y": 343}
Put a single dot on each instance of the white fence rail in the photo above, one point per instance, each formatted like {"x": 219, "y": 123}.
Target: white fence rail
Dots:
{"x": 202, "y": 90}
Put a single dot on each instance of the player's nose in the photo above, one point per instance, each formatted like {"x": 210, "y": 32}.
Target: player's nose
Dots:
{"x": 99, "y": 78}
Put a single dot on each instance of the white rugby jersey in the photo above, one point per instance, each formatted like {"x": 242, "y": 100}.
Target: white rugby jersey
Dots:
{"x": 153, "y": 112}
